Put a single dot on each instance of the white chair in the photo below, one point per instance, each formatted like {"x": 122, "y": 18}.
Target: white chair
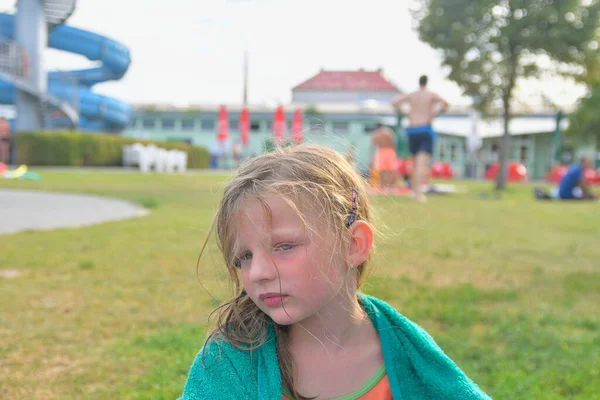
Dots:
{"x": 151, "y": 156}
{"x": 179, "y": 160}
{"x": 162, "y": 160}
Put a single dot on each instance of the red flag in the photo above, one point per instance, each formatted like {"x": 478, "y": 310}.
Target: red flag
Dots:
{"x": 279, "y": 126}
{"x": 297, "y": 127}
{"x": 223, "y": 125}
{"x": 245, "y": 126}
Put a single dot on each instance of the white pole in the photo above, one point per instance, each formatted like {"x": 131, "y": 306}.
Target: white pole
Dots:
{"x": 31, "y": 34}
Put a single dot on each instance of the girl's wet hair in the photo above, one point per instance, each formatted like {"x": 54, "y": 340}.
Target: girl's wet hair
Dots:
{"x": 314, "y": 180}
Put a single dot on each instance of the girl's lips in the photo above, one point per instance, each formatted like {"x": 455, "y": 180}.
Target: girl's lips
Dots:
{"x": 272, "y": 299}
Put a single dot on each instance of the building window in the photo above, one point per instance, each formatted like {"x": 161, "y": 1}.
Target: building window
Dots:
{"x": 133, "y": 122}
{"x": 442, "y": 152}
{"x": 168, "y": 124}
{"x": 495, "y": 153}
{"x": 370, "y": 127}
{"x": 340, "y": 127}
{"x": 187, "y": 123}
{"x": 452, "y": 152}
{"x": 234, "y": 125}
{"x": 269, "y": 126}
{"x": 255, "y": 126}
{"x": 524, "y": 154}
{"x": 149, "y": 123}
{"x": 207, "y": 124}
{"x": 316, "y": 125}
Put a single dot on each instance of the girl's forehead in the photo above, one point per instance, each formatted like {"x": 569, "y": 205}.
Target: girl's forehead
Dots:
{"x": 268, "y": 212}
{"x": 271, "y": 214}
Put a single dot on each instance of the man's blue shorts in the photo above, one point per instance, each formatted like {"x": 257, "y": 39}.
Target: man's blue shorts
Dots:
{"x": 420, "y": 139}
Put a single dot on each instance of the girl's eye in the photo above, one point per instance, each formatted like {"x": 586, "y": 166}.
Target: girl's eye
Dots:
{"x": 246, "y": 256}
{"x": 285, "y": 246}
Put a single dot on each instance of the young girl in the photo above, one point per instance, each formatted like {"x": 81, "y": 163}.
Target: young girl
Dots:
{"x": 295, "y": 227}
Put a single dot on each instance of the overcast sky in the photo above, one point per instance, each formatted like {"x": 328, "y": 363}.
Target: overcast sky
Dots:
{"x": 191, "y": 51}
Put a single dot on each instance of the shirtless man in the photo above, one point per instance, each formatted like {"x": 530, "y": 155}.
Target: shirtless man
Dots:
{"x": 383, "y": 156}
{"x": 424, "y": 107}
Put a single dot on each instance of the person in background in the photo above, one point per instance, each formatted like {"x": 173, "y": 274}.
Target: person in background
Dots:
{"x": 4, "y": 141}
{"x": 573, "y": 185}
{"x": 215, "y": 154}
{"x": 424, "y": 107}
{"x": 383, "y": 157}
{"x": 237, "y": 153}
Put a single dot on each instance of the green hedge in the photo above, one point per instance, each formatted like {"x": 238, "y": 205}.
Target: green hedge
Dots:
{"x": 90, "y": 149}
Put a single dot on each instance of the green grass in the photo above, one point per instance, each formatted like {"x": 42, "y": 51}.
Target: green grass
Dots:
{"x": 510, "y": 288}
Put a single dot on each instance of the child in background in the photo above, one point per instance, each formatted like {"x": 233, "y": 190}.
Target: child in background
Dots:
{"x": 294, "y": 227}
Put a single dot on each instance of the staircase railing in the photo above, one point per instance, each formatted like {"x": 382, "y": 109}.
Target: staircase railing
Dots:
{"x": 58, "y": 11}
{"x": 14, "y": 69}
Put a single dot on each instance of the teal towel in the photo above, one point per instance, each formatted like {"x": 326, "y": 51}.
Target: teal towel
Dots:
{"x": 417, "y": 368}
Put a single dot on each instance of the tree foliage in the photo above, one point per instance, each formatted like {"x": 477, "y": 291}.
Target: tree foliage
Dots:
{"x": 585, "y": 121}
{"x": 487, "y": 45}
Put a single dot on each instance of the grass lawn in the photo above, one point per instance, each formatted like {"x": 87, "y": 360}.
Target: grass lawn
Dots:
{"x": 510, "y": 288}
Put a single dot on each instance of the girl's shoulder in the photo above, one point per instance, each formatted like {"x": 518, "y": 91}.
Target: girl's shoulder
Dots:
{"x": 218, "y": 367}
{"x": 221, "y": 367}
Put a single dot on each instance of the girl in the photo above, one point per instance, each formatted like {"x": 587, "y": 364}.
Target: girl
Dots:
{"x": 295, "y": 227}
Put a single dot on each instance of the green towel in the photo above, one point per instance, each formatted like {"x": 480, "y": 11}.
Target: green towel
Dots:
{"x": 417, "y": 368}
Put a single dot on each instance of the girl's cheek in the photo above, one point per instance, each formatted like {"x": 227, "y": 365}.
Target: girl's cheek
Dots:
{"x": 245, "y": 278}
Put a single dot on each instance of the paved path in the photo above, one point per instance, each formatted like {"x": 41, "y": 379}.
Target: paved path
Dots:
{"x": 35, "y": 210}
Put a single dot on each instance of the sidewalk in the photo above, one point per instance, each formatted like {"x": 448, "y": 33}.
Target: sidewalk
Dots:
{"x": 36, "y": 210}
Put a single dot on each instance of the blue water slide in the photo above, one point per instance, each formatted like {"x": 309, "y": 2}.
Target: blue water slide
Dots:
{"x": 97, "y": 112}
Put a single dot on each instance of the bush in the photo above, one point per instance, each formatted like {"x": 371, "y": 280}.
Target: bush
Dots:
{"x": 90, "y": 149}
{"x": 268, "y": 145}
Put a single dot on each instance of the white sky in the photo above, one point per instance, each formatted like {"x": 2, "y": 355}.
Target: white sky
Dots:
{"x": 191, "y": 51}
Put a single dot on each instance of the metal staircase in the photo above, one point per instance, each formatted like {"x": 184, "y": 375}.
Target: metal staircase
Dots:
{"x": 14, "y": 67}
{"x": 57, "y": 11}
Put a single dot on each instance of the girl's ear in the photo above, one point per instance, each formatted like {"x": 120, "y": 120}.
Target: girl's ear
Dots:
{"x": 361, "y": 242}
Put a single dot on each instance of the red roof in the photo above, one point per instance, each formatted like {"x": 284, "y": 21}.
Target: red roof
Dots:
{"x": 348, "y": 80}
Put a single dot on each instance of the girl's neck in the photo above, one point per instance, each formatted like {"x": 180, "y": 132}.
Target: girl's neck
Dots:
{"x": 335, "y": 327}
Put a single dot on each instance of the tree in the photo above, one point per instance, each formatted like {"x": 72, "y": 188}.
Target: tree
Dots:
{"x": 487, "y": 45}
{"x": 312, "y": 111}
{"x": 585, "y": 121}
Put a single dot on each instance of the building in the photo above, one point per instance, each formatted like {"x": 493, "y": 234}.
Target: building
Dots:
{"x": 345, "y": 87}
{"x": 341, "y": 109}
{"x": 343, "y": 125}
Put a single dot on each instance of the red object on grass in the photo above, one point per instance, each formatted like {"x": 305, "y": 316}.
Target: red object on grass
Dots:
{"x": 556, "y": 173}
{"x": 223, "y": 125}
{"x": 442, "y": 169}
{"x": 592, "y": 176}
{"x": 405, "y": 166}
{"x": 516, "y": 172}
{"x": 297, "y": 127}
{"x": 245, "y": 126}
{"x": 279, "y": 125}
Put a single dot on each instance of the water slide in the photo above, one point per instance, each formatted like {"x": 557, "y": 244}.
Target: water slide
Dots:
{"x": 96, "y": 112}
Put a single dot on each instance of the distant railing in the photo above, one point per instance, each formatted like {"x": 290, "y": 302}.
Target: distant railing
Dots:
{"x": 13, "y": 59}
{"x": 58, "y": 11}
{"x": 68, "y": 92}
{"x": 58, "y": 110}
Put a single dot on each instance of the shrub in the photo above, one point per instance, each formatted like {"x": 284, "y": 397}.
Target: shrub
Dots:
{"x": 90, "y": 149}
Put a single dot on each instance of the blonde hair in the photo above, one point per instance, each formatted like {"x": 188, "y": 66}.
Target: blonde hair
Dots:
{"x": 301, "y": 175}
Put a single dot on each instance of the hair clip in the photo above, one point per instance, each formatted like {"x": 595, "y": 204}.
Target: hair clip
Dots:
{"x": 352, "y": 216}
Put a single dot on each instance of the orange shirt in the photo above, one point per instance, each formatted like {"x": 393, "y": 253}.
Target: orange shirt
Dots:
{"x": 377, "y": 388}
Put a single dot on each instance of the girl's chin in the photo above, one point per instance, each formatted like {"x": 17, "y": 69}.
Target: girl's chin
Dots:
{"x": 280, "y": 317}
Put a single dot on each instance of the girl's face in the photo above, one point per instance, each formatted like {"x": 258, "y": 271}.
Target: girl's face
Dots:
{"x": 288, "y": 271}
